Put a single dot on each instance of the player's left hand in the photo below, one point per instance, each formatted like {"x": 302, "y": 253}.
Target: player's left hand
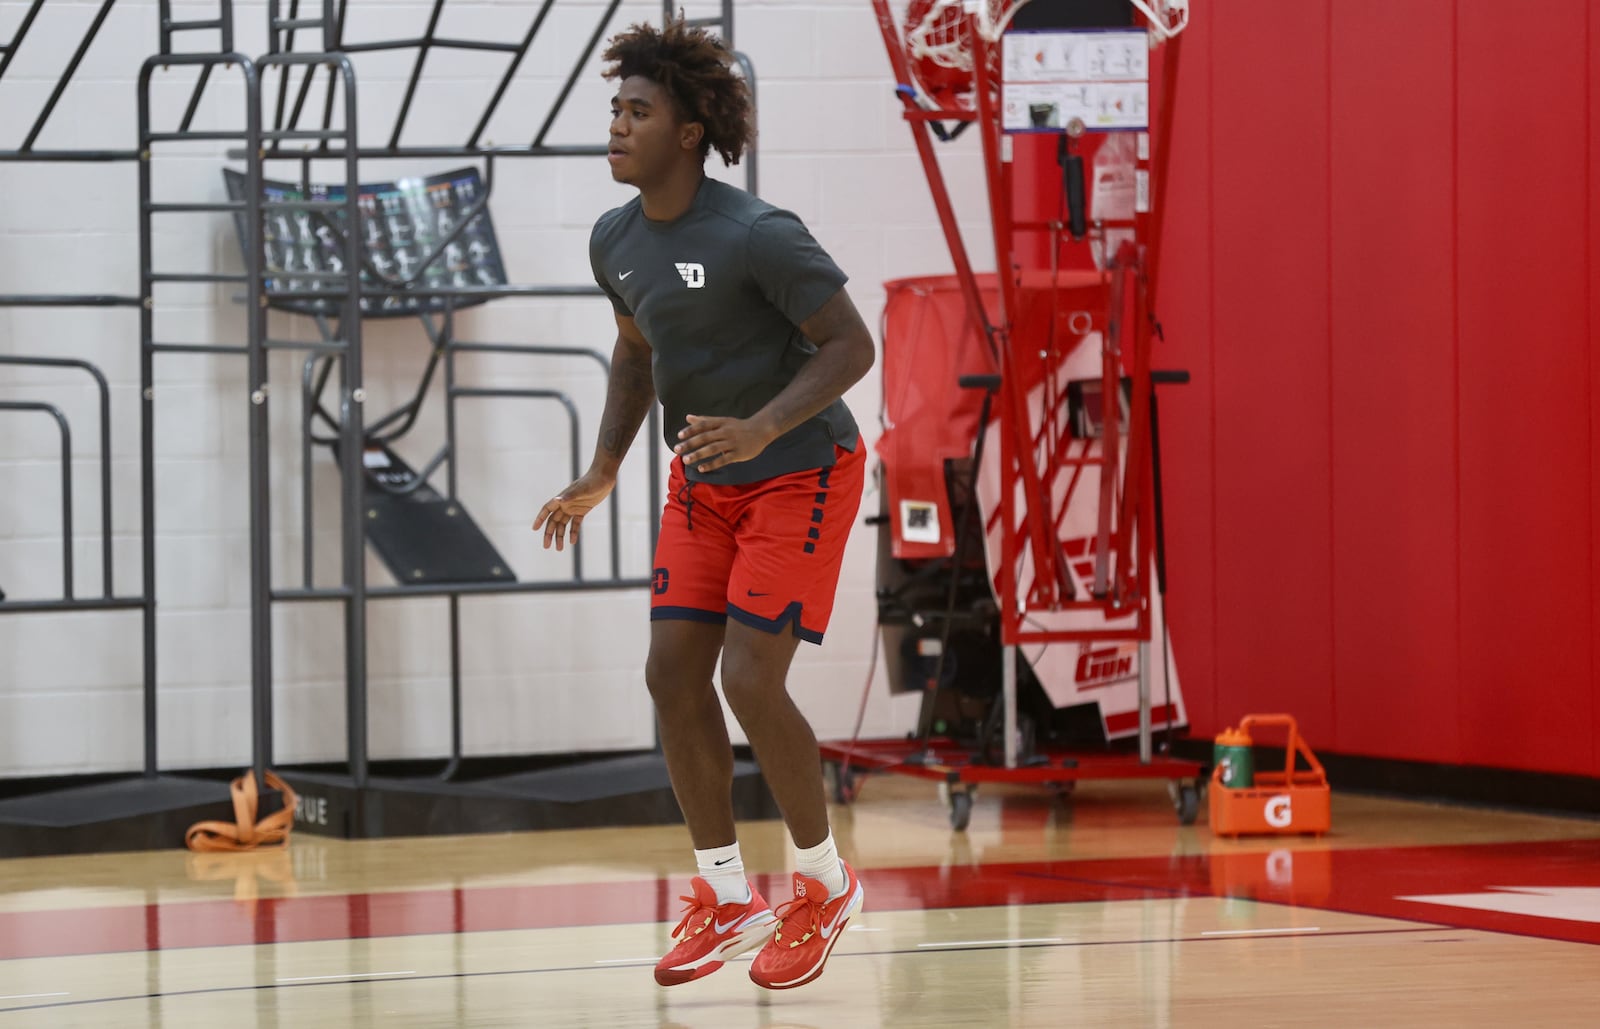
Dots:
{"x": 711, "y": 443}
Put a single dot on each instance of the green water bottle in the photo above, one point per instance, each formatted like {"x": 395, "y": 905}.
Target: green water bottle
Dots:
{"x": 1232, "y": 754}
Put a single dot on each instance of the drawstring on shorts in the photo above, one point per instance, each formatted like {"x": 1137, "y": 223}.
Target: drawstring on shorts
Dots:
{"x": 686, "y": 498}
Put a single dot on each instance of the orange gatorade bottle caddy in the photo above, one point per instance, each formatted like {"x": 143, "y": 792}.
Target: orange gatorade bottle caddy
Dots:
{"x": 1247, "y": 802}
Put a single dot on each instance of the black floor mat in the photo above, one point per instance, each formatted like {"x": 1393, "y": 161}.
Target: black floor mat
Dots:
{"x": 592, "y": 780}
{"x": 106, "y": 802}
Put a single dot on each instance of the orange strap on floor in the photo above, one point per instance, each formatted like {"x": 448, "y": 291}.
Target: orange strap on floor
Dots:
{"x": 247, "y": 833}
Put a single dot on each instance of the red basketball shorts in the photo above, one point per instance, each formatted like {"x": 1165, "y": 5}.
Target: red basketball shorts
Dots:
{"x": 765, "y": 553}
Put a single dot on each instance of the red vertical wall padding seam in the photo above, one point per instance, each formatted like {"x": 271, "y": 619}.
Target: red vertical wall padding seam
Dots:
{"x": 1457, "y": 708}
{"x": 1333, "y": 470}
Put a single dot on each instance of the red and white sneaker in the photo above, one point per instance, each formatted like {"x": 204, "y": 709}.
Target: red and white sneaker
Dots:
{"x": 711, "y": 933}
{"x": 808, "y": 927}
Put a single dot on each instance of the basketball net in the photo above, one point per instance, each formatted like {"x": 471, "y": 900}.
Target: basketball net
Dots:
{"x": 939, "y": 36}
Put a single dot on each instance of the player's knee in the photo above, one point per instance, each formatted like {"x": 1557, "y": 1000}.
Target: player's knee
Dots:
{"x": 682, "y": 657}
{"x": 743, "y": 697}
{"x": 667, "y": 685}
{"x": 673, "y": 686}
{"x": 747, "y": 687}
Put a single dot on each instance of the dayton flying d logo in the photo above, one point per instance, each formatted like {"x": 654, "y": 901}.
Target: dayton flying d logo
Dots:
{"x": 694, "y": 275}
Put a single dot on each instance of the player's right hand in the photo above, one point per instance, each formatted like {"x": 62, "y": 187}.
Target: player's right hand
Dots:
{"x": 562, "y": 516}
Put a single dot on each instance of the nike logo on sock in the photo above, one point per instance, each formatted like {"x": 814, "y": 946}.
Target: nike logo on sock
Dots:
{"x": 722, "y": 862}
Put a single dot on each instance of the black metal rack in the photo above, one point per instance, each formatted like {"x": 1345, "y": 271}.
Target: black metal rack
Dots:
{"x": 308, "y": 117}
{"x": 150, "y": 807}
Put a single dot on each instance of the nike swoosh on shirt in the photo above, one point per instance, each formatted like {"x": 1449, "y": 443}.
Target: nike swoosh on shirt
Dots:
{"x": 625, "y": 274}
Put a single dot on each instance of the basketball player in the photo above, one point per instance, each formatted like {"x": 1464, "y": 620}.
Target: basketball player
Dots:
{"x": 730, "y": 312}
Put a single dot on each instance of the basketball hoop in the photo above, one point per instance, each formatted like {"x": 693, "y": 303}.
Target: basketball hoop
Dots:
{"x": 939, "y": 47}
{"x": 939, "y": 44}
{"x": 1166, "y": 18}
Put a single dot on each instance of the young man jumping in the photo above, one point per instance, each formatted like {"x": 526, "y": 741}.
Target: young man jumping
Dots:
{"x": 730, "y": 312}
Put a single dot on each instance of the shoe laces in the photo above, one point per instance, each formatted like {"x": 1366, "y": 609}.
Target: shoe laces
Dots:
{"x": 693, "y": 909}
{"x": 798, "y": 920}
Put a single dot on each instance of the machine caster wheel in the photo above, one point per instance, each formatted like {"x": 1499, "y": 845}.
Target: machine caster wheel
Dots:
{"x": 1186, "y": 799}
{"x": 960, "y": 810}
{"x": 958, "y": 800}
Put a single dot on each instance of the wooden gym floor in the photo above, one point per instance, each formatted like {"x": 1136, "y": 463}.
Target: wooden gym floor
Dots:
{"x": 1098, "y": 911}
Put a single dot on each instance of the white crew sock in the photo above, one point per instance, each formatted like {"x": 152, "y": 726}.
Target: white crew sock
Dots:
{"x": 723, "y": 869}
{"x": 822, "y": 864}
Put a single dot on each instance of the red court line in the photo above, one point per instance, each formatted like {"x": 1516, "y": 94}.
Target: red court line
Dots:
{"x": 1365, "y": 881}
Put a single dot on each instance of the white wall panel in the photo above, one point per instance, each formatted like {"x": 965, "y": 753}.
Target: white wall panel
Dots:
{"x": 543, "y": 674}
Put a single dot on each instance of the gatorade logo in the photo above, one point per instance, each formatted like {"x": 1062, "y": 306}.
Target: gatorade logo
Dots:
{"x": 1278, "y": 813}
{"x": 1280, "y": 868}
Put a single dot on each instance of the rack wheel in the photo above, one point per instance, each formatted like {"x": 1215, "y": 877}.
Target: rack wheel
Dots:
{"x": 846, "y": 784}
{"x": 1063, "y": 789}
{"x": 843, "y": 786}
{"x": 1186, "y": 799}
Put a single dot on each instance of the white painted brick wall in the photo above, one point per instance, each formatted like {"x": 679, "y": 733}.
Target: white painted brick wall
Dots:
{"x": 552, "y": 673}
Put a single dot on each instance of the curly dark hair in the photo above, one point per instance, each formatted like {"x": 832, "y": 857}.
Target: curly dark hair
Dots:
{"x": 696, "y": 70}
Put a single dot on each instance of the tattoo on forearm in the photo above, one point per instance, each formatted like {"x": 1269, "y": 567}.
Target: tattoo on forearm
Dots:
{"x": 629, "y": 395}
{"x": 634, "y": 379}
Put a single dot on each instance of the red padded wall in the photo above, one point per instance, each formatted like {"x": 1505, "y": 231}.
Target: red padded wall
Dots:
{"x": 1591, "y": 270}
{"x": 1384, "y": 514}
{"x": 1394, "y": 409}
{"x": 1269, "y": 159}
{"x": 1188, "y": 448}
{"x": 1526, "y": 685}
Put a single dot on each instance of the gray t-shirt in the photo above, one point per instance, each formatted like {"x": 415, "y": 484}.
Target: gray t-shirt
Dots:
{"x": 719, "y": 294}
